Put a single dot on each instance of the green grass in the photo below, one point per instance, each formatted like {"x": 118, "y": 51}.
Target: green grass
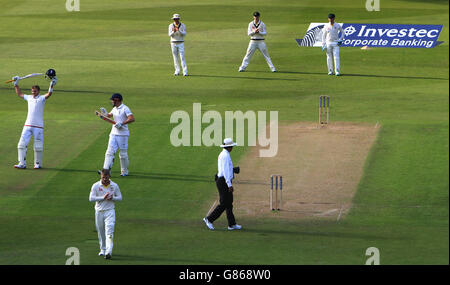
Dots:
{"x": 401, "y": 205}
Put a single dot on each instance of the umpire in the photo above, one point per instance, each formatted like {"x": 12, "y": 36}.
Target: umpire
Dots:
{"x": 224, "y": 177}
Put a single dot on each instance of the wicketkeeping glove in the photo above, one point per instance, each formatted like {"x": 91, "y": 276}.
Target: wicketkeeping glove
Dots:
{"x": 103, "y": 111}
{"x": 118, "y": 125}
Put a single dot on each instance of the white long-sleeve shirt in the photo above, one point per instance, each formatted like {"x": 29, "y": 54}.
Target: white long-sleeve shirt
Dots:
{"x": 225, "y": 167}
{"x": 179, "y": 35}
{"x": 330, "y": 33}
{"x": 98, "y": 192}
{"x": 252, "y": 26}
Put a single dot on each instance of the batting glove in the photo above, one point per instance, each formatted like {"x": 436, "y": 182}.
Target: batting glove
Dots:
{"x": 324, "y": 47}
{"x": 54, "y": 81}
{"x": 16, "y": 78}
{"x": 339, "y": 43}
{"x": 103, "y": 111}
{"x": 118, "y": 125}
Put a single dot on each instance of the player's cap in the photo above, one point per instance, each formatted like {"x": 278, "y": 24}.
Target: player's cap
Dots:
{"x": 116, "y": 95}
{"x": 175, "y": 16}
{"x": 256, "y": 14}
{"x": 331, "y": 16}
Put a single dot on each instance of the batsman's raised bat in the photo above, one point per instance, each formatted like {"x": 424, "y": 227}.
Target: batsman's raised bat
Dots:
{"x": 103, "y": 117}
{"x": 26, "y": 76}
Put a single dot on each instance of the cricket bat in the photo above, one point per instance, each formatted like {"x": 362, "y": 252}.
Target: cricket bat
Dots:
{"x": 103, "y": 117}
{"x": 26, "y": 76}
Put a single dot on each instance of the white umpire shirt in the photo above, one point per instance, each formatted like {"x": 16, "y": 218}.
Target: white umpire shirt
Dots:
{"x": 178, "y": 36}
{"x": 262, "y": 30}
{"x": 98, "y": 192}
{"x": 120, "y": 115}
{"x": 35, "y": 117}
{"x": 225, "y": 167}
{"x": 330, "y": 33}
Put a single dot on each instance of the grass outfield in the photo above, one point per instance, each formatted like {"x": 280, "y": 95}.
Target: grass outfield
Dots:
{"x": 401, "y": 206}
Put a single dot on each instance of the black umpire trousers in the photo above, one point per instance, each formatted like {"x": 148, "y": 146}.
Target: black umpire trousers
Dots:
{"x": 225, "y": 203}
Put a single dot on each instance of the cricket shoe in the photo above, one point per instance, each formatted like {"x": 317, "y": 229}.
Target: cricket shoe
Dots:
{"x": 176, "y": 74}
{"x": 235, "y": 227}
{"x": 330, "y": 73}
{"x": 185, "y": 74}
{"x": 208, "y": 224}
{"x": 108, "y": 256}
{"x": 273, "y": 70}
{"x": 124, "y": 173}
{"x": 241, "y": 70}
{"x": 37, "y": 166}
{"x": 101, "y": 253}
{"x": 18, "y": 166}
{"x": 338, "y": 74}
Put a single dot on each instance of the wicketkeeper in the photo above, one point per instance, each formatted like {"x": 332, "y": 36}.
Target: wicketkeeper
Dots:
{"x": 104, "y": 193}
{"x": 34, "y": 125}
{"x": 118, "y": 138}
{"x": 331, "y": 40}
{"x": 257, "y": 32}
{"x": 177, "y": 32}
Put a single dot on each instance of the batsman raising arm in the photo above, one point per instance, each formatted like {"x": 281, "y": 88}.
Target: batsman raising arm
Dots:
{"x": 34, "y": 125}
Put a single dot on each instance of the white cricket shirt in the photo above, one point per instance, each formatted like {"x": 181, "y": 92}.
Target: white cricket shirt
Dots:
{"x": 330, "y": 33}
{"x": 179, "y": 35}
{"x": 262, "y": 30}
{"x": 35, "y": 117}
{"x": 225, "y": 167}
{"x": 98, "y": 192}
{"x": 120, "y": 115}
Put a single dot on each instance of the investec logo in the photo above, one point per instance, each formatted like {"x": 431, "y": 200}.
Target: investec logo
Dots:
{"x": 391, "y": 35}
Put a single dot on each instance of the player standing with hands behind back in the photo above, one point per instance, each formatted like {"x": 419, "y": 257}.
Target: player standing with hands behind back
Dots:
{"x": 331, "y": 42}
{"x": 118, "y": 138}
{"x": 34, "y": 125}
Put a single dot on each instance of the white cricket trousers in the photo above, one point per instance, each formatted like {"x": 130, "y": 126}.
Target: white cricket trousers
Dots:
{"x": 252, "y": 47}
{"x": 105, "y": 222}
{"x": 38, "y": 135}
{"x": 178, "y": 52}
{"x": 117, "y": 143}
{"x": 333, "y": 52}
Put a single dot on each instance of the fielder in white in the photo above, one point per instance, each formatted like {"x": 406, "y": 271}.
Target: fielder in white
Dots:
{"x": 34, "y": 125}
{"x": 257, "y": 32}
{"x": 104, "y": 193}
{"x": 177, "y": 32}
{"x": 118, "y": 138}
{"x": 331, "y": 40}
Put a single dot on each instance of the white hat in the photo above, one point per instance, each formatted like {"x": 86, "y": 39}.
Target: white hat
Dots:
{"x": 228, "y": 143}
{"x": 175, "y": 16}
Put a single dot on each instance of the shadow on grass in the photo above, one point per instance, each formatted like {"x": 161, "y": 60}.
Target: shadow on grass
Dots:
{"x": 323, "y": 234}
{"x": 358, "y": 75}
{"x": 143, "y": 175}
{"x": 62, "y": 90}
{"x": 243, "y": 77}
{"x": 160, "y": 260}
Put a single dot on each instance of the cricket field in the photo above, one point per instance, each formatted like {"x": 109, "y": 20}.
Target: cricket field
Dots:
{"x": 401, "y": 205}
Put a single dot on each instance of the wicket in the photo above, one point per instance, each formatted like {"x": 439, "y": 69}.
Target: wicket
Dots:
{"x": 324, "y": 109}
{"x": 276, "y": 187}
